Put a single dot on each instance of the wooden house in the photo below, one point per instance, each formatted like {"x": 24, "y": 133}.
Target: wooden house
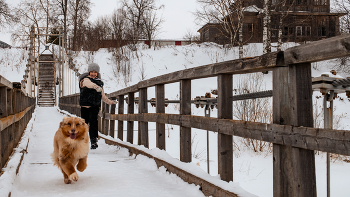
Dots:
{"x": 302, "y": 20}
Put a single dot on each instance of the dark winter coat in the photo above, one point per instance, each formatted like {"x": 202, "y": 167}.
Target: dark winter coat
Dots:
{"x": 89, "y": 96}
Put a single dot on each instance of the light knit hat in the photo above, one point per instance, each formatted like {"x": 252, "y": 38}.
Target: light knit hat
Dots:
{"x": 93, "y": 67}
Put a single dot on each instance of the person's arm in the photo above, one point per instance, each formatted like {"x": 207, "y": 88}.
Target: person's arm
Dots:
{"x": 106, "y": 100}
{"x": 87, "y": 83}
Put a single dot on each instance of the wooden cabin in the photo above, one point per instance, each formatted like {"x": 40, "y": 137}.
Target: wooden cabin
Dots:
{"x": 303, "y": 20}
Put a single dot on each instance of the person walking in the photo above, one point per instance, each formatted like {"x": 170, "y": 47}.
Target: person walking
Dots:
{"x": 91, "y": 93}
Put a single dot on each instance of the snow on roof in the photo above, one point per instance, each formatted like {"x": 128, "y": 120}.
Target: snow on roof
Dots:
{"x": 252, "y": 8}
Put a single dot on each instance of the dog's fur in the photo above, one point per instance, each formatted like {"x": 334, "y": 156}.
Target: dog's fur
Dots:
{"x": 71, "y": 147}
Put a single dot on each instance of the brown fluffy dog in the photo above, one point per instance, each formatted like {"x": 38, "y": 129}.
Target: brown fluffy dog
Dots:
{"x": 71, "y": 147}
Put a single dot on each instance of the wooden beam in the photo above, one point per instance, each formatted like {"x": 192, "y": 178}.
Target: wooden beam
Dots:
{"x": 130, "y": 124}
{"x": 185, "y": 132}
{"x": 143, "y": 125}
{"x": 326, "y": 140}
{"x": 238, "y": 66}
{"x": 225, "y": 146}
{"x": 160, "y": 108}
{"x": 112, "y": 122}
{"x": 294, "y": 168}
{"x": 120, "y": 111}
{"x": 326, "y": 49}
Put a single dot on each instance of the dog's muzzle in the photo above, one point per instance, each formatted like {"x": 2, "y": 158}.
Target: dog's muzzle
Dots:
{"x": 73, "y": 135}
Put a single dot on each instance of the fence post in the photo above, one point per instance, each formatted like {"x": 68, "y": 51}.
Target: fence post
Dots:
{"x": 143, "y": 108}
{"x": 293, "y": 168}
{"x": 225, "y": 147}
{"x": 185, "y": 109}
{"x": 120, "y": 111}
{"x": 130, "y": 124}
{"x": 160, "y": 108}
{"x": 3, "y": 113}
{"x": 106, "y": 121}
{"x": 112, "y": 122}
{"x": 3, "y": 104}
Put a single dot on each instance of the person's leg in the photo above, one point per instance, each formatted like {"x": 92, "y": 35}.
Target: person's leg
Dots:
{"x": 85, "y": 114}
{"x": 93, "y": 132}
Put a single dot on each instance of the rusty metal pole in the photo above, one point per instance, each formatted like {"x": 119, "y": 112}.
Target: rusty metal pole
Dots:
{"x": 207, "y": 114}
{"x": 328, "y": 124}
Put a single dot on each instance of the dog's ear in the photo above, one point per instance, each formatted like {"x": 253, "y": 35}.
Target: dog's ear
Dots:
{"x": 63, "y": 121}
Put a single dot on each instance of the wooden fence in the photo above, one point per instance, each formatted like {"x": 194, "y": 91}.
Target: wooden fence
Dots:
{"x": 292, "y": 134}
{"x": 16, "y": 110}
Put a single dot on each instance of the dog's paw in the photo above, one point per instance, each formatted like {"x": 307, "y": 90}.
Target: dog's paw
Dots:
{"x": 74, "y": 177}
{"x": 67, "y": 181}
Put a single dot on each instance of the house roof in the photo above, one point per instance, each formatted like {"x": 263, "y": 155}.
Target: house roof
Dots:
{"x": 4, "y": 44}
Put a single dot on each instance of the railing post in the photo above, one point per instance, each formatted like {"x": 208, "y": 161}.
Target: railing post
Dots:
{"x": 106, "y": 121}
{"x": 3, "y": 104}
{"x": 130, "y": 124}
{"x": 112, "y": 122}
{"x": 3, "y": 136}
{"x": 293, "y": 168}
{"x": 143, "y": 108}
{"x": 160, "y": 108}
{"x": 185, "y": 109}
{"x": 225, "y": 147}
{"x": 120, "y": 111}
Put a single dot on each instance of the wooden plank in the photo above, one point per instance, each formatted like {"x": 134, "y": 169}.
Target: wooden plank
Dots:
{"x": 208, "y": 188}
{"x": 326, "y": 49}
{"x": 3, "y": 103}
{"x": 130, "y": 124}
{"x": 103, "y": 122}
{"x": 5, "y": 83}
{"x": 106, "y": 121}
{"x": 294, "y": 168}
{"x": 225, "y": 150}
{"x": 185, "y": 132}
{"x": 143, "y": 108}
{"x": 238, "y": 66}
{"x": 120, "y": 111}
{"x": 112, "y": 122}
{"x": 160, "y": 108}
{"x": 333, "y": 141}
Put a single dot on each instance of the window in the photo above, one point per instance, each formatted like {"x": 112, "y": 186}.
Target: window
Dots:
{"x": 299, "y": 31}
{"x": 308, "y": 31}
{"x": 322, "y": 31}
{"x": 287, "y": 31}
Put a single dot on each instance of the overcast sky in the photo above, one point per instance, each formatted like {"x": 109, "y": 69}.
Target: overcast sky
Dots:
{"x": 176, "y": 13}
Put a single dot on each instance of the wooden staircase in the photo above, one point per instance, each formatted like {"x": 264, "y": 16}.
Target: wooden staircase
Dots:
{"x": 46, "y": 82}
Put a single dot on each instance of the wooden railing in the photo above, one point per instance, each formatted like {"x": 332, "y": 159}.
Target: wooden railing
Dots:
{"x": 16, "y": 110}
{"x": 292, "y": 134}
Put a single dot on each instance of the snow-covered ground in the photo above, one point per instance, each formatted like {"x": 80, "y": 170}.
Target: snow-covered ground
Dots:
{"x": 253, "y": 172}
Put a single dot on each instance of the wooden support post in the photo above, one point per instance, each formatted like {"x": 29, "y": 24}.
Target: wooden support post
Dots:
{"x": 143, "y": 108}
{"x": 160, "y": 108}
{"x": 293, "y": 168}
{"x": 3, "y": 103}
{"x": 102, "y": 119}
{"x": 185, "y": 109}
{"x": 130, "y": 124}
{"x": 120, "y": 111}
{"x": 112, "y": 122}
{"x": 225, "y": 147}
{"x": 106, "y": 121}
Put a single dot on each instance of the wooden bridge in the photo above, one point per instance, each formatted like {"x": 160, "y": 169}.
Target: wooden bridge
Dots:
{"x": 292, "y": 134}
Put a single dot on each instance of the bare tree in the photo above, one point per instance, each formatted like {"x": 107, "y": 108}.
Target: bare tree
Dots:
{"x": 267, "y": 27}
{"x": 6, "y": 17}
{"x": 228, "y": 14}
{"x": 79, "y": 11}
{"x": 190, "y": 36}
{"x": 152, "y": 25}
{"x": 253, "y": 110}
{"x": 141, "y": 14}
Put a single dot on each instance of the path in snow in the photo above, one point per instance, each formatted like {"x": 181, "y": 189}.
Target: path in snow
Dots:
{"x": 110, "y": 171}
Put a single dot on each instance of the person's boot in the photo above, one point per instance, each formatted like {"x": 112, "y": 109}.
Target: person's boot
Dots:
{"x": 94, "y": 144}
